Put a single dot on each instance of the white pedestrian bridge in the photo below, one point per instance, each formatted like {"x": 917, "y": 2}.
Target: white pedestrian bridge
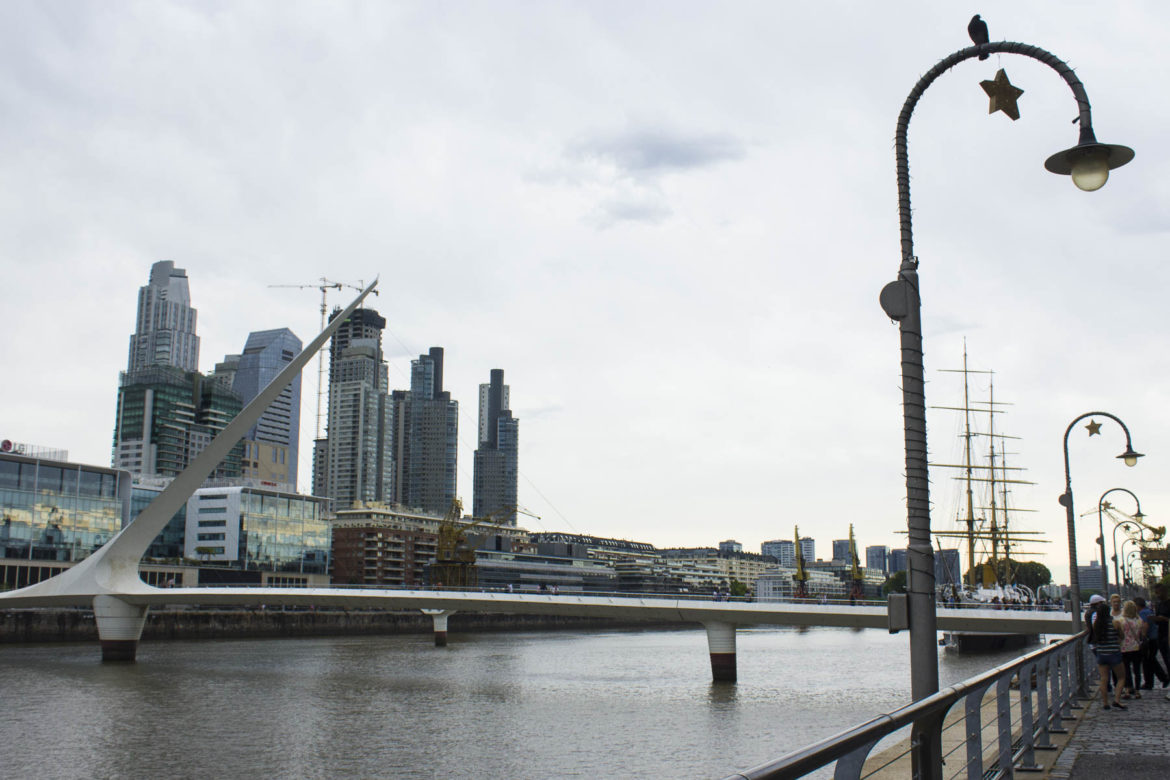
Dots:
{"x": 108, "y": 580}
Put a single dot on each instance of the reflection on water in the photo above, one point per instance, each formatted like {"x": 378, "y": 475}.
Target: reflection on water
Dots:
{"x": 564, "y": 704}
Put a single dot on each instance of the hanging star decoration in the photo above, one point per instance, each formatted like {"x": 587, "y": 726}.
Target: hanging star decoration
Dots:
{"x": 1003, "y": 95}
{"x": 1094, "y": 428}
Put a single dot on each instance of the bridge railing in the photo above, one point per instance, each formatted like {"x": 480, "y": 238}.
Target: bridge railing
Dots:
{"x": 1045, "y": 686}
{"x": 691, "y": 596}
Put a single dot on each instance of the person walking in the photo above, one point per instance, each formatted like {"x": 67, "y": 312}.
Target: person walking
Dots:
{"x": 1162, "y": 621}
{"x": 1150, "y": 666}
{"x": 1104, "y": 630}
{"x": 1133, "y": 635}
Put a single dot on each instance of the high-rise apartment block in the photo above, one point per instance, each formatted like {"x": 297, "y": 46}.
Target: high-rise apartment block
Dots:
{"x": 167, "y": 412}
{"x": 164, "y": 334}
{"x": 496, "y": 472}
{"x": 783, "y": 550}
{"x": 841, "y": 551}
{"x": 877, "y": 556}
{"x": 271, "y": 447}
{"x": 427, "y": 422}
{"x": 808, "y": 549}
{"x": 355, "y": 461}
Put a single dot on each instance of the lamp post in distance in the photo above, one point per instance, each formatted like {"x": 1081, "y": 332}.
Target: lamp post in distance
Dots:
{"x": 1102, "y": 504}
{"x": 1130, "y": 458}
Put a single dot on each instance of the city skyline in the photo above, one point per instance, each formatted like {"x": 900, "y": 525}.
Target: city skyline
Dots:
{"x": 674, "y": 243}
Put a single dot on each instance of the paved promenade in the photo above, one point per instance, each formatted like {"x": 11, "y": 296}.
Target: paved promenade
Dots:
{"x": 1133, "y": 743}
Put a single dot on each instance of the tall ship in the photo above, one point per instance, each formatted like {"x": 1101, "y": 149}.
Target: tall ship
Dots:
{"x": 984, "y": 520}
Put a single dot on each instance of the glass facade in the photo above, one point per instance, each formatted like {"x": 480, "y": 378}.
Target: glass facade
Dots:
{"x": 258, "y": 529}
{"x": 282, "y": 532}
{"x": 168, "y": 545}
{"x": 56, "y": 511}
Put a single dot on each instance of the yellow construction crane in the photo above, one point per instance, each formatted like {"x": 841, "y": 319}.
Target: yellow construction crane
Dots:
{"x": 324, "y": 285}
{"x": 855, "y": 569}
{"x": 801, "y": 576}
{"x": 454, "y": 565}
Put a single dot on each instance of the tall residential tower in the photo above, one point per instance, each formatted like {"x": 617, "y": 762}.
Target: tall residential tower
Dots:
{"x": 354, "y": 462}
{"x": 497, "y": 457}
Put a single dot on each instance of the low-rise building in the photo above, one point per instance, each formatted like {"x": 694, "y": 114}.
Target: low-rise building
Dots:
{"x": 257, "y": 529}
{"x": 54, "y": 513}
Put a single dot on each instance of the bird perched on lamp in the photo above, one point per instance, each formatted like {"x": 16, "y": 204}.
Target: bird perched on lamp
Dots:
{"x": 977, "y": 29}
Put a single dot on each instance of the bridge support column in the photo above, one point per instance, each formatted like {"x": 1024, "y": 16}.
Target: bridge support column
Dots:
{"x": 439, "y": 616}
{"x": 119, "y": 626}
{"x": 721, "y": 643}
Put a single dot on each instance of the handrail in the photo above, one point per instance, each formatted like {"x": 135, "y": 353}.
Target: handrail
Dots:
{"x": 856, "y": 742}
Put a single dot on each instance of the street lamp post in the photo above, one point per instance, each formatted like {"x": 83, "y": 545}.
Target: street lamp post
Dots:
{"x": 1129, "y": 526}
{"x": 1088, "y": 163}
{"x": 1130, "y": 457}
{"x": 1129, "y": 565}
{"x": 1101, "y": 504}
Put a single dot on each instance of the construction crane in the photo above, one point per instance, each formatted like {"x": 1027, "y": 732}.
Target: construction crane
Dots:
{"x": 454, "y": 565}
{"x": 324, "y": 285}
{"x": 801, "y": 576}
{"x": 856, "y": 574}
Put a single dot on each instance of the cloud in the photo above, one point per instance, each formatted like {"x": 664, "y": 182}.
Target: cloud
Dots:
{"x": 624, "y": 170}
{"x": 650, "y": 152}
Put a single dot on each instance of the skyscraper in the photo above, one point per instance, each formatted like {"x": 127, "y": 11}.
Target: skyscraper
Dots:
{"x": 428, "y": 447}
{"x": 354, "y": 461}
{"x": 167, "y": 411}
{"x": 877, "y": 556}
{"x": 271, "y": 446}
{"x": 841, "y": 551}
{"x": 164, "y": 334}
{"x": 783, "y": 550}
{"x": 808, "y": 549}
{"x": 166, "y": 416}
{"x": 496, "y": 471}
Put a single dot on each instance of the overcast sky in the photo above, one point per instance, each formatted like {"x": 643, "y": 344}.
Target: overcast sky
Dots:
{"x": 668, "y": 222}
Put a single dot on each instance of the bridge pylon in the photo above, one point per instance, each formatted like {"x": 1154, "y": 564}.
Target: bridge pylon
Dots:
{"x": 119, "y": 626}
{"x": 721, "y": 644}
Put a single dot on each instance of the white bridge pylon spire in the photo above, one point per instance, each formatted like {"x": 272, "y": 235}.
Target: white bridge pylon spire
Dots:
{"x": 112, "y": 570}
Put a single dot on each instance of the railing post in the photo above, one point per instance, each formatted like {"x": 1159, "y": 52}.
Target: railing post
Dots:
{"x": 1043, "y": 709}
{"x": 849, "y": 766}
{"x": 1027, "y": 725}
{"x": 1067, "y": 663}
{"x": 974, "y": 724}
{"x": 1003, "y": 707}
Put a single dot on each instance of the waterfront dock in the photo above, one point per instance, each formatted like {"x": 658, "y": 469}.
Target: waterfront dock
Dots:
{"x": 1133, "y": 743}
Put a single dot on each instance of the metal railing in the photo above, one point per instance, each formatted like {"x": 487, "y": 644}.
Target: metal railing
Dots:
{"x": 1046, "y": 685}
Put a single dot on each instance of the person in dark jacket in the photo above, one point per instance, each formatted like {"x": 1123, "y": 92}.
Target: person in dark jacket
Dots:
{"x": 1106, "y": 634}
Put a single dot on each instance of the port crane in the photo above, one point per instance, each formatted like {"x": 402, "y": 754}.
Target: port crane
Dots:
{"x": 801, "y": 575}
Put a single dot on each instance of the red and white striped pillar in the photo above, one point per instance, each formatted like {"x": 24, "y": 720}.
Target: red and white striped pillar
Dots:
{"x": 721, "y": 643}
{"x": 439, "y": 616}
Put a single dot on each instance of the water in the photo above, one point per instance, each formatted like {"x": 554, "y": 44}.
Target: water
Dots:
{"x": 527, "y": 705}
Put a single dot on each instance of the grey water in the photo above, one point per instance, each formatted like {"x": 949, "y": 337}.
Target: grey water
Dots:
{"x": 523, "y": 705}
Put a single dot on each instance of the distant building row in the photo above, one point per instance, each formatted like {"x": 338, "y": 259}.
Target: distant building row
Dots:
{"x": 397, "y": 447}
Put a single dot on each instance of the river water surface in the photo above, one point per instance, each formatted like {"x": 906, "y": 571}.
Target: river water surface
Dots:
{"x": 524, "y": 705}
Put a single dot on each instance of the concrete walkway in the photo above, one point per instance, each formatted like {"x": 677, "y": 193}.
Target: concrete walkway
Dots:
{"x": 1133, "y": 743}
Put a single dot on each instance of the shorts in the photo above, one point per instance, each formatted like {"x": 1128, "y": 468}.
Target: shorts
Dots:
{"x": 1108, "y": 659}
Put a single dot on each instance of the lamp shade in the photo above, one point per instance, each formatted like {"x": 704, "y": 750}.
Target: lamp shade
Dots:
{"x": 1089, "y": 163}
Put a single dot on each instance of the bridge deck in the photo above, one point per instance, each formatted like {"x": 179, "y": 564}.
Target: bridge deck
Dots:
{"x": 647, "y": 608}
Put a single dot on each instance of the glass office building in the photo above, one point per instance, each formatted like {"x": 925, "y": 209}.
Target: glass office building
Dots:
{"x": 58, "y": 511}
{"x": 259, "y": 529}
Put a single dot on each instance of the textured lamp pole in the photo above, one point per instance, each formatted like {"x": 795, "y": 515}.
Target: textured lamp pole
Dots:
{"x": 1127, "y": 525}
{"x": 1066, "y": 500}
{"x": 1101, "y": 504}
{"x": 1087, "y": 161}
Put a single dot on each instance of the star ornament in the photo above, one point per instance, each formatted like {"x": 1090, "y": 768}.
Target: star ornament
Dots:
{"x": 1003, "y": 95}
{"x": 1094, "y": 428}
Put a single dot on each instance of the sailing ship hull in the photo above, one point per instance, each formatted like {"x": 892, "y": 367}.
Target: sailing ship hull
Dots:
{"x": 974, "y": 642}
